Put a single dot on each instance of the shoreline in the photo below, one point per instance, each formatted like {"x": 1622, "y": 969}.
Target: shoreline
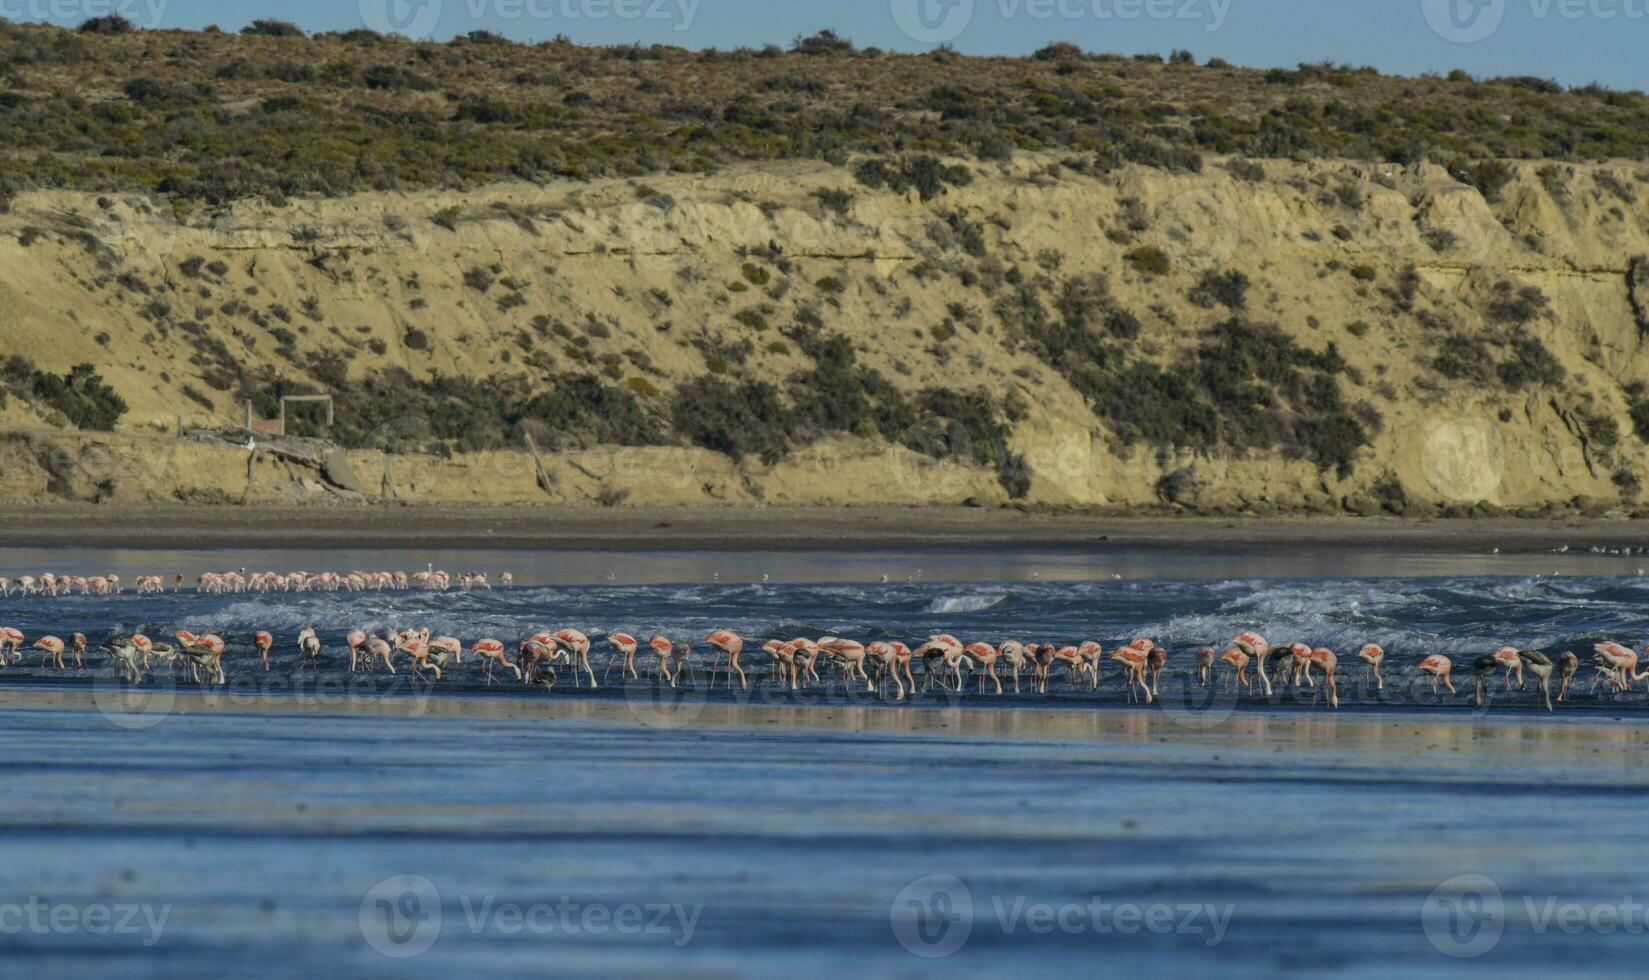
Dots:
{"x": 772, "y": 529}
{"x": 1079, "y": 716}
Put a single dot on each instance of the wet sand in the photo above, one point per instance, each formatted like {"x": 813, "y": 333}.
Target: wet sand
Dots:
{"x": 795, "y": 529}
{"x": 789, "y": 844}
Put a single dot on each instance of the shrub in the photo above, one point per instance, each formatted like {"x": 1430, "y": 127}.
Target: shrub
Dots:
{"x": 1516, "y": 306}
{"x": 1488, "y": 176}
{"x": 1228, "y": 289}
{"x": 273, "y": 28}
{"x": 834, "y": 200}
{"x": 825, "y": 42}
{"x": 81, "y": 396}
{"x": 1148, "y": 260}
{"x": 926, "y": 174}
{"x": 746, "y": 419}
{"x": 110, "y": 24}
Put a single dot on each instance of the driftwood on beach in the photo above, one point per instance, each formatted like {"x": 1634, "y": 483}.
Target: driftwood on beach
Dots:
{"x": 326, "y": 459}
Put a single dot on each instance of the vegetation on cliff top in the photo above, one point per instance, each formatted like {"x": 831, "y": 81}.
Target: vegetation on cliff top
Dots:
{"x": 216, "y": 116}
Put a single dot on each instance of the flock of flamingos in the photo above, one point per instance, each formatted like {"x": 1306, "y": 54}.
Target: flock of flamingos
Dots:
{"x": 878, "y": 666}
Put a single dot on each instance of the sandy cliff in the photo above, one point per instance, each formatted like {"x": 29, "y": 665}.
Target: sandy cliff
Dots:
{"x": 1490, "y": 346}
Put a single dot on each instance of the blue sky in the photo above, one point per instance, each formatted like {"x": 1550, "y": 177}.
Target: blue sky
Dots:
{"x": 1573, "y": 41}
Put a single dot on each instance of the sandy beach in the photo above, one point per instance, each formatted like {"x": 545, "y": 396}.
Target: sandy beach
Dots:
{"x": 776, "y": 528}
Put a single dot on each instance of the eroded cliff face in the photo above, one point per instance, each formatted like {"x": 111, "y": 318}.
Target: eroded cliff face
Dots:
{"x": 1488, "y": 349}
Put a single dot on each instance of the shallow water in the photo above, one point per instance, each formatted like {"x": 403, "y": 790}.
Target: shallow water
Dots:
{"x": 1461, "y": 606}
{"x": 795, "y": 831}
{"x": 1316, "y": 841}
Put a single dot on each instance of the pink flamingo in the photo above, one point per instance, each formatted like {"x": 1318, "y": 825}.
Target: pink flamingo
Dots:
{"x": 985, "y": 656}
{"x": 309, "y": 645}
{"x": 9, "y": 638}
{"x": 261, "y": 642}
{"x": 730, "y": 645}
{"x": 783, "y": 656}
{"x": 1017, "y": 657}
{"x": 1507, "y": 658}
{"x": 1439, "y": 668}
{"x": 1620, "y": 660}
{"x": 52, "y": 647}
{"x": 1324, "y": 660}
{"x": 1257, "y": 649}
{"x": 886, "y": 658}
{"x": 664, "y": 650}
{"x": 1205, "y": 666}
{"x": 577, "y": 646}
{"x": 1374, "y": 656}
{"x": 1237, "y": 660}
{"x": 492, "y": 652}
{"x": 1134, "y": 664}
{"x": 626, "y": 644}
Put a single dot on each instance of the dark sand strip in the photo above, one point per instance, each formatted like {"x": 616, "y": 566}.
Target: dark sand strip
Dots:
{"x": 797, "y": 529}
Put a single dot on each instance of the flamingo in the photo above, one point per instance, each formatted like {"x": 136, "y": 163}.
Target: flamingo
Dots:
{"x": 626, "y": 644}
{"x": 1092, "y": 656}
{"x": 125, "y": 655}
{"x": 729, "y": 644}
{"x": 1621, "y": 660}
{"x": 309, "y": 645}
{"x": 203, "y": 652}
{"x": 77, "y": 645}
{"x": 1134, "y": 663}
{"x": 1075, "y": 665}
{"x": 9, "y": 638}
{"x": 1324, "y": 659}
{"x": 492, "y": 652}
{"x": 1154, "y": 662}
{"x": 1439, "y": 667}
{"x": 942, "y": 648}
{"x": 1258, "y": 650}
{"x": 886, "y": 658}
{"x": 1205, "y": 666}
{"x": 1044, "y": 653}
{"x": 1484, "y": 667}
{"x": 783, "y": 656}
{"x": 577, "y": 646}
{"x": 1567, "y": 664}
{"x": 985, "y": 655}
{"x": 52, "y": 647}
{"x": 1507, "y": 657}
{"x": 261, "y": 642}
{"x": 1540, "y": 666}
{"x": 851, "y": 655}
{"x": 425, "y": 656}
{"x": 1301, "y": 653}
{"x": 664, "y": 650}
{"x": 375, "y": 646}
{"x": 1017, "y": 657}
{"x": 804, "y": 664}
{"x": 1374, "y": 656}
{"x": 538, "y": 656}
{"x": 356, "y": 641}
{"x": 1237, "y": 660}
